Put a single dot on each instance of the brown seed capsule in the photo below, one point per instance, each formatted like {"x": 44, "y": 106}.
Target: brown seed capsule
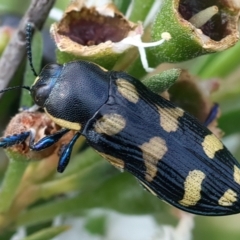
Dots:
{"x": 42, "y": 125}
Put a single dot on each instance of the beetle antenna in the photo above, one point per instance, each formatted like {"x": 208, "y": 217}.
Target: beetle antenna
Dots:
{"x": 15, "y": 87}
{"x": 29, "y": 31}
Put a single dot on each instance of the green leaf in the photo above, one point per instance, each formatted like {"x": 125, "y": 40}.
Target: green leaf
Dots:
{"x": 120, "y": 192}
{"x": 47, "y": 233}
{"x": 122, "y": 5}
{"x": 221, "y": 64}
{"x": 229, "y": 122}
{"x": 96, "y": 224}
{"x": 162, "y": 81}
{"x": 12, "y": 179}
{"x": 12, "y": 6}
{"x": 140, "y": 10}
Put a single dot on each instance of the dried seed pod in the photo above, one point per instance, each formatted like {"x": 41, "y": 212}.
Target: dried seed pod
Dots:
{"x": 42, "y": 126}
{"x": 92, "y": 33}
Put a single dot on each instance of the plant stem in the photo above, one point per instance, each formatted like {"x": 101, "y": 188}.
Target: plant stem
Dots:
{"x": 14, "y": 53}
{"x": 11, "y": 182}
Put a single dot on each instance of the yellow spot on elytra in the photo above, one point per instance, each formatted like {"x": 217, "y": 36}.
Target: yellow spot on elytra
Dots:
{"x": 63, "y": 123}
{"x": 148, "y": 188}
{"x": 152, "y": 152}
{"x": 211, "y": 144}
{"x": 110, "y": 124}
{"x": 228, "y": 198}
{"x": 127, "y": 90}
{"x": 116, "y": 162}
{"x": 236, "y": 174}
{"x": 192, "y": 187}
{"x": 169, "y": 118}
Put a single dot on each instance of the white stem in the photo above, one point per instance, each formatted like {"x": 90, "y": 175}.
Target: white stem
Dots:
{"x": 137, "y": 42}
{"x": 202, "y": 17}
{"x": 144, "y": 61}
{"x": 132, "y": 41}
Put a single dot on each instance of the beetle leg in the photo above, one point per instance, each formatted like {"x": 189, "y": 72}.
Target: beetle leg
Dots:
{"x": 46, "y": 141}
{"x": 66, "y": 153}
{"x": 14, "y": 139}
{"x": 212, "y": 115}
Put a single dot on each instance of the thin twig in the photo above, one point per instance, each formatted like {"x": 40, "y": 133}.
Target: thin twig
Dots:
{"x": 15, "y": 52}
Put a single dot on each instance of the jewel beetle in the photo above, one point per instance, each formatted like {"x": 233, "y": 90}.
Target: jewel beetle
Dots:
{"x": 172, "y": 155}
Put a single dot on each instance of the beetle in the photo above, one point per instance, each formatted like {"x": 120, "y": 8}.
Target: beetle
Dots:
{"x": 170, "y": 152}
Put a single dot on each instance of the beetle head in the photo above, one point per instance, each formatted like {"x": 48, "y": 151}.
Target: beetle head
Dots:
{"x": 44, "y": 83}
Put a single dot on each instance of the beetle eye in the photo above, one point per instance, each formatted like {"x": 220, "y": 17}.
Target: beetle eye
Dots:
{"x": 40, "y": 93}
{"x": 44, "y": 83}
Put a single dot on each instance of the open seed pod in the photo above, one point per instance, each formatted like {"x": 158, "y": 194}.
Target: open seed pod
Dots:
{"x": 197, "y": 27}
{"x": 92, "y": 33}
{"x": 42, "y": 125}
